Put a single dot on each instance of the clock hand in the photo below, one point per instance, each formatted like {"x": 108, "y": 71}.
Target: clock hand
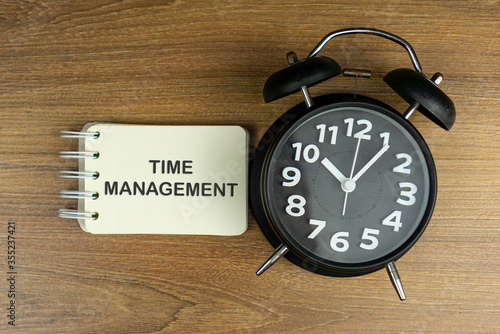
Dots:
{"x": 333, "y": 170}
{"x": 350, "y": 184}
{"x": 355, "y": 157}
{"x": 345, "y": 203}
{"x": 371, "y": 162}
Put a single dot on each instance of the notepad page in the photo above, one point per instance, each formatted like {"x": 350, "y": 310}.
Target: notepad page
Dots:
{"x": 166, "y": 179}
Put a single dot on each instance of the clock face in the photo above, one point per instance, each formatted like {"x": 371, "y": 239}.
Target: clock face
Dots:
{"x": 348, "y": 185}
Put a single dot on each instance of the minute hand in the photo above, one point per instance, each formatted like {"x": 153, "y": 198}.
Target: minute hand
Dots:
{"x": 370, "y": 163}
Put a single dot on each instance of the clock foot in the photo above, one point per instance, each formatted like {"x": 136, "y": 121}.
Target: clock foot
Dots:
{"x": 279, "y": 252}
{"x": 396, "y": 281}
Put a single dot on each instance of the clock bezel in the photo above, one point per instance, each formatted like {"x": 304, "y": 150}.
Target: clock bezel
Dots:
{"x": 258, "y": 201}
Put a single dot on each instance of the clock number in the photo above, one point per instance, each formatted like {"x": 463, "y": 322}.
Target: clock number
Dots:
{"x": 407, "y": 193}
{"x": 362, "y": 134}
{"x": 298, "y": 150}
{"x": 315, "y": 153}
{"x": 350, "y": 123}
{"x": 402, "y": 168}
{"x": 338, "y": 244}
{"x": 394, "y": 220}
{"x": 321, "y": 128}
{"x": 322, "y": 131}
{"x": 295, "y": 206}
{"x": 385, "y": 136}
{"x": 292, "y": 175}
{"x": 334, "y": 130}
{"x": 320, "y": 226}
{"x": 369, "y": 234}
{"x": 311, "y": 152}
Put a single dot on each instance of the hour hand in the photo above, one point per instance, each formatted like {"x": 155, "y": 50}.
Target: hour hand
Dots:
{"x": 333, "y": 170}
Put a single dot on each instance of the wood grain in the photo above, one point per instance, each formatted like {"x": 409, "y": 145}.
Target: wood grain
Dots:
{"x": 66, "y": 63}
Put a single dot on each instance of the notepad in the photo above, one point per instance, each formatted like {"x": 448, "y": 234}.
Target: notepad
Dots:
{"x": 153, "y": 179}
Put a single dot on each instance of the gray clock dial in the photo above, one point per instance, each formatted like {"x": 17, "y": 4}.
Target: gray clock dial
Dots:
{"x": 348, "y": 185}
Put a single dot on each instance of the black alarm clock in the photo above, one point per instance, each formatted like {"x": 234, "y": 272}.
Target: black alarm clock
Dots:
{"x": 344, "y": 185}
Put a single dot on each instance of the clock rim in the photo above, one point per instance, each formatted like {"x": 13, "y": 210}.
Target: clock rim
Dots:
{"x": 257, "y": 177}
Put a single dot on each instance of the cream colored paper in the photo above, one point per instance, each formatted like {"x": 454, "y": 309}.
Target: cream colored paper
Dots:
{"x": 166, "y": 179}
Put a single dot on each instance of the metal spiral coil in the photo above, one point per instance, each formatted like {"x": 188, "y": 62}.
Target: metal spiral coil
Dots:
{"x": 77, "y": 194}
{"x": 71, "y": 174}
{"x": 79, "y": 154}
{"x": 75, "y": 214}
{"x": 78, "y": 134}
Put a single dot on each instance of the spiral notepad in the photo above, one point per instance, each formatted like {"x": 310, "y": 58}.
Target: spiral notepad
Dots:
{"x": 159, "y": 179}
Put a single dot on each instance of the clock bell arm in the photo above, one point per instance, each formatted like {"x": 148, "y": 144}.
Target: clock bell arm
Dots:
{"x": 370, "y": 31}
{"x": 412, "y": 85}
{"x": 417, "y": 89}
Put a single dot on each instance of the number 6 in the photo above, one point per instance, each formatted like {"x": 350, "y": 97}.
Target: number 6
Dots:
{"x": 369, "y": 234}
{"x": 338, "y": 244}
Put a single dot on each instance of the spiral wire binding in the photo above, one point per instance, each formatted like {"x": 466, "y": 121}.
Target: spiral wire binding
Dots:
{"x": 77, "y": 134}
{"x": 75, "y": 214}
{"x": 78, "y": 194}
{"x": 72, "y": 174}
{"x": 79, "y": 154}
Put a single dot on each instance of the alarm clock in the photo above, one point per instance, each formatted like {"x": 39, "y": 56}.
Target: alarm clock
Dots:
{"x": 344, "y": 185}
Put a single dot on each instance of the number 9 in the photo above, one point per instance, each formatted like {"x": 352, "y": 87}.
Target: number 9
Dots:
{"x": 292, "y": 179}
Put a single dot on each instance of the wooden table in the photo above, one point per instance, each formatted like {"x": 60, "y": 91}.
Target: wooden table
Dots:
{"x": 66, "y": 63}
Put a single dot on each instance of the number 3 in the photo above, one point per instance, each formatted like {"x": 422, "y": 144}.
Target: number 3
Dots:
{"x": 407, "y": 193}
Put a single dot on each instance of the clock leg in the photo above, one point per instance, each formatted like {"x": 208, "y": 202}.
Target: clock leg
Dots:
{"x": 396, "y": 281}
{"x": 436, "y": 78}
{"x": 292, "y": 58}
{"x": 278, "y": 252}
{"x": 411, "y": 109}
{"x": 307, "y": 97}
